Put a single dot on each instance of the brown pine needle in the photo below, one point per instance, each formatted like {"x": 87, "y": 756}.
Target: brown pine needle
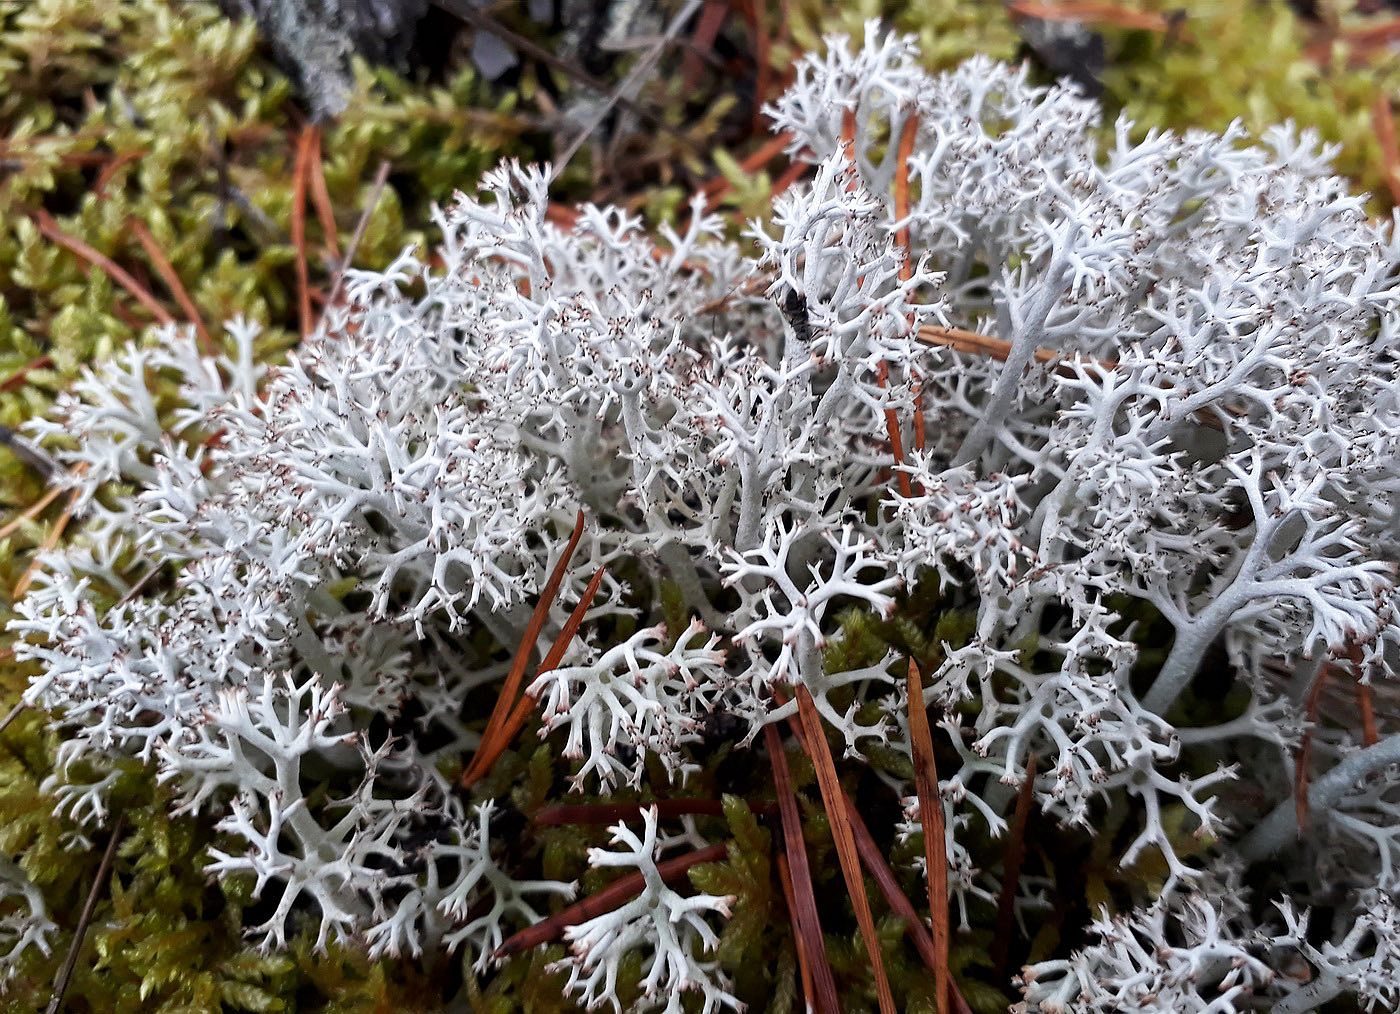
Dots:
{"x": 961, "y": 340}
{"x": 505, "y": 700}
{"x": 300, "y": 171}
{"x": 490, "y": 751}
{"x": 836, "y": 808}
{"x": 804, "y": 966}
{"x": 16, "y": 380}
{"x": 168, "y": 275}
{"x": 619, "y": 892}
{"x": 1091, "y": 12}
{"x": 901, "y": 193}
{"x": 99, "y": 882}
{"x": 1383, "y": 122}
{"x": 817, "y": 978}
{"x": 931, "y": 816}
{"x": 1303, "y": 761}
{"x": 31, "y": 511}
{"x": 50, "y": 540}
{"x": 878, "y": 866}
{"x": 50, "y": 228}
{"x": 1011, "y": 872}
{"x": 321, "y": 197}
{"x": 1365, "y": 698}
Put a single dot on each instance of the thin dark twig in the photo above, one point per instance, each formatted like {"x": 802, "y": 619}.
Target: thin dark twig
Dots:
{"x": 60, "y": 984}
{"x": 483, "y": 22}
{"x": 634, "y": 77}
{"x": 1011, "y": 871}
{"x": 380, "y": 179}
{"x": 20, "y": 708}
{"x": 28, "y": 453}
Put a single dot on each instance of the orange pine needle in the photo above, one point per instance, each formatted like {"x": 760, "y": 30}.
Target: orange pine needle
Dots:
{"x": 50, "y": 228}
{"x": 298, "y": 227}
{"x": 877, "y": 866}
{"x": 1383, "y": 122}
{"x": 31, "y": 511}
{"x": 491, "y": 749}
{"x": 111, "y": 169}
{"x": 931, "y": 815}
{"x": 168, "y": 275}
{"x": 836, "y": 807}
{"x": 1091, "y": 12}
{"x": 321, "y": 196}
{"x": 505, "y": 700}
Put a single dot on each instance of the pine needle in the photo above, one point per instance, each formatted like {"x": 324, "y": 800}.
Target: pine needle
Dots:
{"x": 837, "y": 806}
{"x": 171, "y": 278}
{"x": 931, "y": 816}
{"x": 1383, "y": 122}
{"x": 300, "y": 171}
{"x": 50, "y": 228}
{"x": 1011, "y": 872}
{"x": 818, "y": 981}
{"x": 619, "y": 892}
{"x": 321, "y": 197}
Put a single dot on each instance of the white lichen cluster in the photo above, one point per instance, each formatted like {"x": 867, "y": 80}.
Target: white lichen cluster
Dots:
{"x": 303, "y": 578}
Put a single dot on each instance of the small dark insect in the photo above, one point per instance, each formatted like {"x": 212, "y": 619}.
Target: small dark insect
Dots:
{"x": 795, "y": 310}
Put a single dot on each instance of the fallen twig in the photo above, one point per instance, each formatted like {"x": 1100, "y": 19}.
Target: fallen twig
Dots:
{"x": 65, "y": 973}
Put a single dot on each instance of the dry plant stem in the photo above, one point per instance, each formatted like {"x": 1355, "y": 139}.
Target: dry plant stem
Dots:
{"x": 505, "y": 700}
{"x": 65, "y": 973}
{"x": 1384, "y": 123}
{"x": 29, "y": 512}
{"x": 837, "y": 806}
{"x": 1011, "y": 872}
{"x": 619, "y": 892}
{"x": 50, "y": 228}
{"x": 50, "y": 540}
{"x": 1304, "y": 758}
{"x": 806, "y": 923}
{"x": 931, "y": 816}
{"x": 298, "y": 228}
{"x": 172, "y": 282}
